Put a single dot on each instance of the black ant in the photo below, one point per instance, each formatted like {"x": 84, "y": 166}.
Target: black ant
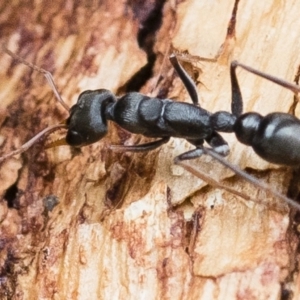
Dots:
{"x": 272, "y": 137}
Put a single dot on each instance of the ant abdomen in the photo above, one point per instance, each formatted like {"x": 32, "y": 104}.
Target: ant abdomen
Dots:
{"x": 277, "y": 139}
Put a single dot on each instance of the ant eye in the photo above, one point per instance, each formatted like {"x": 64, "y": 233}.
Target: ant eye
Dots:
{"x": 73, "y": 138}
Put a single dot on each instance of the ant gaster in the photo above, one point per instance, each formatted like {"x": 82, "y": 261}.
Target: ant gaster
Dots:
{"x": 273, "y": 137}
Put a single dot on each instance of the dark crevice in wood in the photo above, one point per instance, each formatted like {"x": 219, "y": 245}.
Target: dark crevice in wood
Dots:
{"x": 232, "y": 22}
{"x": 10, "y": 195}
{"x": 150, "y": 20}
{"x": 286, "y": 294}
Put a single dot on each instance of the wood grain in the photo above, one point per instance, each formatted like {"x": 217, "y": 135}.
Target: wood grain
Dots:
{"x": 136, "y": 226}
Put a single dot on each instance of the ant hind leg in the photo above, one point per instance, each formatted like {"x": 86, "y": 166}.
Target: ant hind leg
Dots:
{"x": 244, "y": 175}
{"x": 292, "y": 87}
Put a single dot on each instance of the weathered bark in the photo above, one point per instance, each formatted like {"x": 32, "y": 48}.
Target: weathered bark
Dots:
{"x": 135, "y": 226}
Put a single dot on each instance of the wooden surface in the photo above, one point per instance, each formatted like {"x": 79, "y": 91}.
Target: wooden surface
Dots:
{"x": 136, "y": 226}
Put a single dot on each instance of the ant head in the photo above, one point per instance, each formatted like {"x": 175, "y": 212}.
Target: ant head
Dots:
{"x": 87, "y": 123}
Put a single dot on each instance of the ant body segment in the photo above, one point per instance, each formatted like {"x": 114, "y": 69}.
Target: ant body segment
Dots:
{"x": 273, "y": 137}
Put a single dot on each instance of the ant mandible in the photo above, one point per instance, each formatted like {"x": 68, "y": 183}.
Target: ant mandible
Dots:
{"x": 272, "y": 137}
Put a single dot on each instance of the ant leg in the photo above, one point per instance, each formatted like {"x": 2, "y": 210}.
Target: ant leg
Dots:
{"x": 218, "y": 144}
{"x": 260, "y": 184}
{"x": 47, "y": 74}
{"x": 141, "y": 147}
{"x": 292, "y": 87}
{"x": 186, "y": 79}
{"x": 236, "y": 95}
{"x": 214, "y": 183}
{"x": 192, "y": 154}
{"x": 216, "y": 141}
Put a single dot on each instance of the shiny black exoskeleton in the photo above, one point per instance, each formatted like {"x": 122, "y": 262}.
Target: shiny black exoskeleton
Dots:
{"x": 151, "y": 117}
{"x": 274, "y": 137}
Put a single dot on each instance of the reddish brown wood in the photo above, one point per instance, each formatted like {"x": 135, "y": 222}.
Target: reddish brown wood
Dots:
{"x": 132, "y": 226}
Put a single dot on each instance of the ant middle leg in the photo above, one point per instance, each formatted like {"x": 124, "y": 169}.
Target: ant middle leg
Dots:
{"x": 192, "y": 154}
{"x": 141, "y": 147}
{"x": 218, "y": 144}
{"x": 216, "y": 141}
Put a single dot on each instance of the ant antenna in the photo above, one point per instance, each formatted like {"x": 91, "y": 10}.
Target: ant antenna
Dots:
{"x": 244, "y": 175}
{"x": 32, "y": 141}
{"x": 47, "y": 74}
